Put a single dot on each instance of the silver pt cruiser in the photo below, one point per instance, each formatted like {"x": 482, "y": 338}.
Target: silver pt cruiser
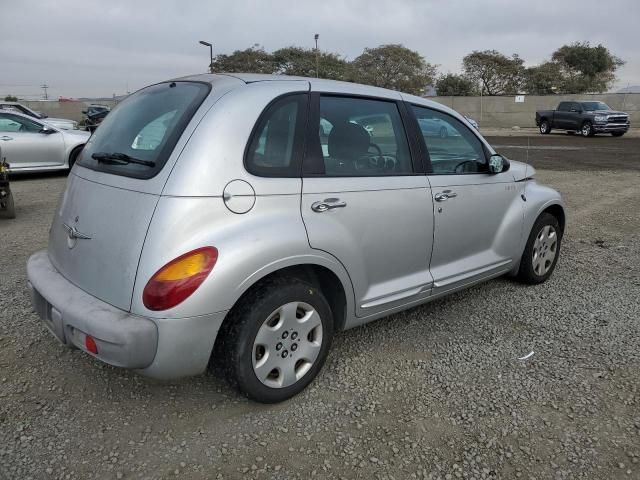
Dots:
{"x": 242, "y": 220}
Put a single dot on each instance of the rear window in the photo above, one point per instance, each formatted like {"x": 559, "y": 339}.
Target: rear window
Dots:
{"x": 145, "y": 126}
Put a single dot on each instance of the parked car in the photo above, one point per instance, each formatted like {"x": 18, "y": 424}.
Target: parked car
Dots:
{"x": 94, "y": 115}
{"x": 244, "y": 219}
{"x": 62, "y": 123}
{"x": 31, "y": 145}
{"x": 584, "y": 117}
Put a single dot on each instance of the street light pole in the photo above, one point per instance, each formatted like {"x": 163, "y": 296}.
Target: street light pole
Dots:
{"x": 207, "y": 44}
{"x": 316, "y": 36}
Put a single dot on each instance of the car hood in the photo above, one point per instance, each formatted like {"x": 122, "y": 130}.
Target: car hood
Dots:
{"x": 521, "y": 170}
{"x": 607, "y": 112}
{"x": 77, "y": 133}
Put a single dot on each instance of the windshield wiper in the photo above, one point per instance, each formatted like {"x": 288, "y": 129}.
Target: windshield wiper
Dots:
{"x": 120, "y": 158}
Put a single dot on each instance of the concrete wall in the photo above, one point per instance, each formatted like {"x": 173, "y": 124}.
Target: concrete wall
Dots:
{"x": 70, "y": 110}
{"x": 490, "y": 112}
{"x": 495, "y": 112}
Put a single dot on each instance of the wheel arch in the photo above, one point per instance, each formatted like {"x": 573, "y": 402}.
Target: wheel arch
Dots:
{"x": 73, "y": 153}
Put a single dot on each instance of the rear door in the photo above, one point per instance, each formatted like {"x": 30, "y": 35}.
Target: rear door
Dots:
{"x": 365, "y": 202}
{"x": 561, "y": 116}
{"x": 25, "y": 147}
{"x": 477, "y": 215}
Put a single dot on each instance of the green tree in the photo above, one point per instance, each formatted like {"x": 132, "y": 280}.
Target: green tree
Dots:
{"x": 586, "y": 68}
{"x": 495, "y": 73}
{"x": 456, "y": 85}
{"x": 393, "y": 66}
{"x": 251, "y": 60}
{"x": 302, "y": 62}
{"x": 10, "y": 98}
{"x": 544, "y": 79}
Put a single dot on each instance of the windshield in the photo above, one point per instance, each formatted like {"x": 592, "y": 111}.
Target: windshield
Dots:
{"x": 592, "y": 106}
{"x": 144, "y": 126}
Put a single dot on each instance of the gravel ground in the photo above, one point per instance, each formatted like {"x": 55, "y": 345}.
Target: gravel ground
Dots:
{"x": 435, "y": 392}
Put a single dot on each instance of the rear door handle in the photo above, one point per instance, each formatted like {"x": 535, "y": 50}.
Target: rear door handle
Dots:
{"x": 6, "y": 138}
{"x": 327, "y": 204}
{"x": 444, "y": 196}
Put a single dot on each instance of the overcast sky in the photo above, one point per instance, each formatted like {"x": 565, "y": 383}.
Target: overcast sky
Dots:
{"x": 97, "y": 48}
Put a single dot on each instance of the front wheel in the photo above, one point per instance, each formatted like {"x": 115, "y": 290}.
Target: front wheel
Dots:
{"x": 277, "y": 339}
{"x": 542, "y": 250}
{"x": 587, "y": 129}
{"x": 545, "y": 127}
{"x": 7, "y": 207}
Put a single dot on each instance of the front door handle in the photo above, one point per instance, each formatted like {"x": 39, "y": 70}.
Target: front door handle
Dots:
{"x": 327, "y": 204}
{"x": 6, "y": 138}
{"x": 444, "y": 196}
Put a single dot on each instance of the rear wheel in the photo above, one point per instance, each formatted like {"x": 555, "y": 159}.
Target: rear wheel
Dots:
{"x": 74, "y": 156}
{"x": 617, "y": 134}
{"x": 7, "y": 207}
{"x": 545, "y": 127}
{"x": 587, "y": 129}
{"x": 277, "y": 339}
{"x": 542, "y": 250}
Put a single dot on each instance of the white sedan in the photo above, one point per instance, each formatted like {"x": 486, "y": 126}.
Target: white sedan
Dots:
{"x": 30, "y": 145}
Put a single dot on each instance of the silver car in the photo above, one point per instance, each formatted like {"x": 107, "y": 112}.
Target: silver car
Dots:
{"x": 242, "y": 220}
{"x": 62, "y": 123}
{"x": 31, "y": 145}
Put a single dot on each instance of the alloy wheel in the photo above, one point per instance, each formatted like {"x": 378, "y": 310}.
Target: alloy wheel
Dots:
{"x": 287, "y": 345}
{"x": 545, "y": 249}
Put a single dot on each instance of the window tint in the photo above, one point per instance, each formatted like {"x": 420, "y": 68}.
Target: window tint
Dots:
{"x": 362, "y": 137}
{"x": 452, "y": 147}
{"x": 146, "y": 125}
{"x": 274, "y": 149}
{"x": 13, "y": 123}
{"x": 564, "y": 106}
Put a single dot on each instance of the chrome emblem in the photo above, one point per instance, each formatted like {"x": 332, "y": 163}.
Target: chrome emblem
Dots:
{"x": 73, "y": 235}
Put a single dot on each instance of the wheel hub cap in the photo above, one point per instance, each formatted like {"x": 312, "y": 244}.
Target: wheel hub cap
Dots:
{"x": 545, "y": 249}
{"x": 287, "y": 345}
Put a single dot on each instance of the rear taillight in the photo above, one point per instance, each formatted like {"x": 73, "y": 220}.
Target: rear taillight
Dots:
{"x": 179, "y": 278}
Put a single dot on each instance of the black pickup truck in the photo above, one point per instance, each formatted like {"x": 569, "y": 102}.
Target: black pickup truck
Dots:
{"x": 584, "y": 117}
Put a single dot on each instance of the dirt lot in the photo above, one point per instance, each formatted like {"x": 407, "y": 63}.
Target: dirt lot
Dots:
{"x": 435, "y": 392}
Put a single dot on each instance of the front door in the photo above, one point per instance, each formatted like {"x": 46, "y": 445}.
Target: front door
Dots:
{"x": 363, "y": 201}
{"x": 477, "y": 215}
{"x": 24, "y": 146}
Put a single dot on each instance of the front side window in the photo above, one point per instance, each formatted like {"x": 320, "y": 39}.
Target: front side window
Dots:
{"x": 13, "y": 123}
{"x": 453, "y": 147}
{"x": 274, "y": 150}
{"x": 362, "y": 137}
{"x": 138, "y": 136}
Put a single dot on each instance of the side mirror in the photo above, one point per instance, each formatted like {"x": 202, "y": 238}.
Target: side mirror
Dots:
{"x": 47, "y": 130}
{"x": 498, "y": 164}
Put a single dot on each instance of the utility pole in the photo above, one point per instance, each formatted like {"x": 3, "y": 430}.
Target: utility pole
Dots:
{"x": 207, "y": 44}
{"x": 316, "y": 36}
{"x": 44, "y": 87}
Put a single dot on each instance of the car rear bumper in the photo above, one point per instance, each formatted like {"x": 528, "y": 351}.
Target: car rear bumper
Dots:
{"x": 159, "y": 348}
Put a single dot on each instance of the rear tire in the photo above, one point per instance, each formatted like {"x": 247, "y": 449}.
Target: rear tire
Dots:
{"x": 545, "y": 127}
{"x": 276, "y": 339}
{"x": 587, "y": 129}
{"x": 74, "y": 156}
{"x": 8, "y": 208}
{"x": 542, "y": 250}
{"x": 617, "y": 134}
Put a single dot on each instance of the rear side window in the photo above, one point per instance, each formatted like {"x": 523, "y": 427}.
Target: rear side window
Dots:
{"x": 361, "y": 137}
{"x": 564, "y": 107}
{"x": 145, "y": 126}
{"x": 275, "y": 148}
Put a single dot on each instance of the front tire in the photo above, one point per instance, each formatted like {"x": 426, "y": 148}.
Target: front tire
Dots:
{"x": 587, "y": 129}
{"x": 7, "y": 207}
{"x": 277, "y": 339}
{"x": 545, "y": 127}
{"x": 74, "y": 156}
{"x": 542, "y": 250}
